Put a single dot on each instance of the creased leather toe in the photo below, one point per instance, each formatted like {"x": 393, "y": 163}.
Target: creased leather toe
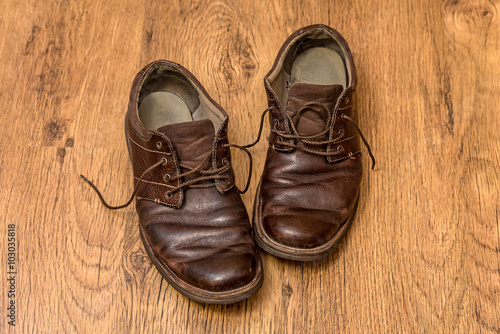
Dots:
{"x": 192, "y": 220}
{"x": 310, "y": 184}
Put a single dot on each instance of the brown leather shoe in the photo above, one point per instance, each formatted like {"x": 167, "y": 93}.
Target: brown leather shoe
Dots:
{"x": 309, "y": 188}
{"x": 192, "y": 221}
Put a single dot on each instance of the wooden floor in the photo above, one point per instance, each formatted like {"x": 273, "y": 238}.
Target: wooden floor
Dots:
{"x": 423, "y": 254}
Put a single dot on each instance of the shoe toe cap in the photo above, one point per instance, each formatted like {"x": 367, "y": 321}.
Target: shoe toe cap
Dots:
{"x": 220, "y": 273}
{"x": 304, "y": 230}
{"x": 224, "y": 263}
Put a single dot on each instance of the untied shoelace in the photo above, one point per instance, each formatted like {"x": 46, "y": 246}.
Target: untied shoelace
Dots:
{"x": 212, "y": 174}
{"x": 209, "y": 174}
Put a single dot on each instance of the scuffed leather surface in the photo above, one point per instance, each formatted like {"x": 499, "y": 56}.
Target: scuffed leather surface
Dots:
{"x": 305, "y": 198}
{"x": 201, "y": 234}
{"x": 206, "y": 242}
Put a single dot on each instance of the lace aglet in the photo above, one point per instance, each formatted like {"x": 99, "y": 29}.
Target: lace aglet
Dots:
{"x": 92, "y": 185}
{"x": 373, "y": 159}
{"x": 86, "y": 180}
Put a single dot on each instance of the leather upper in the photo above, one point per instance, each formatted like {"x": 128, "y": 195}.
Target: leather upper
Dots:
{"x": 200, "y": 234}
{"x": 304, "y": 197}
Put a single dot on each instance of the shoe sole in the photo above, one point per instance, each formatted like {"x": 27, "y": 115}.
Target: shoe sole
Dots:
{"x": 192, "y": 292}
{"x": 277, "y": 249}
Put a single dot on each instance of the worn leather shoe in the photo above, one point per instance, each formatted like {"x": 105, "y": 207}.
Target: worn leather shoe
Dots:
{"x": 309, "y": 188}
{"x": 192, "y": 221}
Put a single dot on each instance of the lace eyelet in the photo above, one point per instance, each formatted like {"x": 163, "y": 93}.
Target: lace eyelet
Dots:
{"x": 340, "y": 148}
{"x": 166, "y": 177}
{"x": 341, "y": 132}
{"x": 227, "y": 179}
{"x": 342, "y": 116}
{"x": 346, "y": 100}
{"x": 225, "y": 161}
{"x": 276, "y": 124}
{"x": 159, "y": 145}
{"x": 280, "y": 139}
{"x": 168, "y": 195}
{"x": 164, "y": 161}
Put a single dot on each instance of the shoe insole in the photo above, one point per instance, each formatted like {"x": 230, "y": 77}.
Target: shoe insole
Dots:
{"x": 162, "y": 108}
{"x": 320, "y": 66}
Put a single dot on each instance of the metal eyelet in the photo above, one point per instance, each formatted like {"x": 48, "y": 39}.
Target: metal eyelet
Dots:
{"x": 164, "y": 161}
{"x": 166, "y": 177}
{"x": 227, "y": 179}
{"x": 280, "y": 139}
{"x": 276, "y": 124}
{"x": 159, "y": 144}
{"x": 340, "y": 148}
{"x": 225, "y": 161}
{"x": 342, "y": 116}
{"x": 341, "y": 132}
{"x": 168, "y": 195}
{"x": 346, "y": 100}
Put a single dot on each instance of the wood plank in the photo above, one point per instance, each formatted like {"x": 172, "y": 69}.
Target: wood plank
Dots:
{"x": 423, "y": 254}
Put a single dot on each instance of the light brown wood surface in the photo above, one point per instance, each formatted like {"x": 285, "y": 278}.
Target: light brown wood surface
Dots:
{"x": 423, "y": 254}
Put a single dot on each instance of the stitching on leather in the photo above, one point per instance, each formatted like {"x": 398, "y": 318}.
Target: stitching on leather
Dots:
{"x": 219, "y": 184}
{"x": 157, "y": 183}
{"x": 346, "y": 139}
{"x": 176, "y": 163}
{"x": 346, "y": 157}
{"x": 146, "y": 149}
{"x": 334, "y": 121}
{"x": 159, "y": 202}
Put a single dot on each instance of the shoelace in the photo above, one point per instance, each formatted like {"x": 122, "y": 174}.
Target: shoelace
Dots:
{"x": 311, "y": 139}
{"x": 209, "y": 174}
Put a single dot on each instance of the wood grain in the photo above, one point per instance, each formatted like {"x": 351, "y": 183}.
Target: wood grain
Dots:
{"x": 423, "y": 255}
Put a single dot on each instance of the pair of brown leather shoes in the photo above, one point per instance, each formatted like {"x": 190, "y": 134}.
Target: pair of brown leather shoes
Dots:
{"x": 192, "y": 221}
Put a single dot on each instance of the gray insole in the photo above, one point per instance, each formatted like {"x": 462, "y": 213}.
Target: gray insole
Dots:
{"x": 162, "y": 108}
{"x": 320, "y": 66}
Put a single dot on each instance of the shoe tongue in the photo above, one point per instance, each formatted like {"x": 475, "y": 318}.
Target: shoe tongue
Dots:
{"x": 312, "y": 120}
{"x": 192, "y": 140}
